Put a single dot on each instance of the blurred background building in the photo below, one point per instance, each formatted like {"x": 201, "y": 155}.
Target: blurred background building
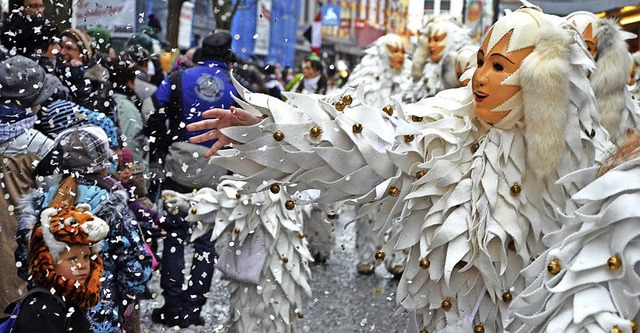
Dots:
{"x": 288, "y": 31}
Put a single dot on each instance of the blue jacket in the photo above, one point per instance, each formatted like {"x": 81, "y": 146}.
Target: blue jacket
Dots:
{"x": 197, "y": 89}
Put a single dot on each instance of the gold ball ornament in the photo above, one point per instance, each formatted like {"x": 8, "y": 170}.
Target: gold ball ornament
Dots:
{"x": 614, "y": 263}
{"x": 416, "y": 119}
{"x": 347, "y": 99}
{"x": 394, "y": 191}
{"x": 474, "y": 147}
{"x": 379, "y": 256}
{"x": 238, "y": 195}
{"x": 332, "y": 216}
{"x": 515, "y": 189}
{"x": 194, "y": 210}
{"x": 507, "y": 297}
{"x": 274, "y": 188}
{"x": 340, "y": 105}
{"x": 300, "y": 315}
{"x": 554, "y": 266}
{"x": 478, "y": 328}
{"x": 300, "y": 235}
{"x": 315, "y": 132}
{"x": 278, "y": 135}
{"x": 421, "y": 174}
{"x": 616, "y": 329}
{"x": 634, "y": 326}
{"x": 285, "y": 260}
{"x": 388, "y": 110}
{"x": 236, "y": 230}
{"x": 290, "y": 205}
{"x": 424, "y": 263}
{"x": 424, "y": 330}
{"x": 357, "y": 128}
{"x": 409, "y": 138}
{"x": 446, "y": 304}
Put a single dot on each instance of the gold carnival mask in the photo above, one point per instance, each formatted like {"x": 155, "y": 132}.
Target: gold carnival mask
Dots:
{"x": 590, "y": 40}
{"x": 437, "y": 43}
{"x": 494, "y": 67}
{"x": 396, "y": 56}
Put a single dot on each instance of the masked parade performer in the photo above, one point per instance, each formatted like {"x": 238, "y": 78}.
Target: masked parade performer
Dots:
{"x": 606, "y": 44}
{"x": 471, "y": 179}
{"x": 434, "y": 68}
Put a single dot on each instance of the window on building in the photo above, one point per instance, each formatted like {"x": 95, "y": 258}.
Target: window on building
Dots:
{"x": 444, "y": 5}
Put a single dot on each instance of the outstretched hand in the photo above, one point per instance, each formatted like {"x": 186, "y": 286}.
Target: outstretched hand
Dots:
{"x": 222, "y": 118}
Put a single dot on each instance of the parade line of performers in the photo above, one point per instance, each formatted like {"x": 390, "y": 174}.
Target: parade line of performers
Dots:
{"x": 498, "y": 182}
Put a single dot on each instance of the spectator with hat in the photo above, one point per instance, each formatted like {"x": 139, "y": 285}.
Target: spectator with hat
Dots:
{"x": 35, "y": 37}
{"x": 81, "y": 158}
{"x": 128, "y": 106}
{"x": 181, "y": 99}
{"x": 74, "y": 59}
{"x": 84, "y": 73}
{"x": 142, "y": 60}
{"x": 152, "y": 45}
{"x": 24, "y": 86}
{"x": 102, "y": 38}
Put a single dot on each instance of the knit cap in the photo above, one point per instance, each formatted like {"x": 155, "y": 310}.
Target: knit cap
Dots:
{"x": 84, "y": 42}
{"x": 83, "y": 150}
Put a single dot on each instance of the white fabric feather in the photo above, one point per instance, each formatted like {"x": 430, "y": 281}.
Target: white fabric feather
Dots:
{"x": 274, "y": 304}
{"x": 587, "y": 295}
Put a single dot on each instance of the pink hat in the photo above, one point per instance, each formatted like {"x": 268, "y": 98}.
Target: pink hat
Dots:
{"x": 126, "y": 155}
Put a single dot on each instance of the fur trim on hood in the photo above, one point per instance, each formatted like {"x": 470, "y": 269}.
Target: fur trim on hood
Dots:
{"x": 610, "y": 78}
{"x": 544, "y": 73}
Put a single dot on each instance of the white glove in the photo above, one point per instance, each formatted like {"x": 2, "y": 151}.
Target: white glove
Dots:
{"x": 174, "y": 201}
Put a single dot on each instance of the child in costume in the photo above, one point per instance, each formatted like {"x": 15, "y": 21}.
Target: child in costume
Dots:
{"x": 63, "y": 260}
{"x": 83, "y": 159}
{"x": 471, "y": 179}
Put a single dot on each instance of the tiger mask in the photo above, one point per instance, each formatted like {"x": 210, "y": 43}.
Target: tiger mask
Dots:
{"x": 61, "y": 225}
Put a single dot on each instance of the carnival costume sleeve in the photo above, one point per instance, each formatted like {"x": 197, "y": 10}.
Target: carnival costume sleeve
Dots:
{"x": 588, "y": 280}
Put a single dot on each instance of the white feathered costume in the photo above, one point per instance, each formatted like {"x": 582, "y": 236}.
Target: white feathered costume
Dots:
{"x": 619, "y": 113}
{"x": 375, "y": 74}
{"x": 273, "y": 274}
{"x": 473, "y": 200}
{"x": 378, "y": 83}
{"x": 430, "y": 77}
{"x": 588, "y": 280}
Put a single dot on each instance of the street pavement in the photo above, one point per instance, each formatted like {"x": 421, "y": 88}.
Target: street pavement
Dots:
{"x": 342, "y": 300}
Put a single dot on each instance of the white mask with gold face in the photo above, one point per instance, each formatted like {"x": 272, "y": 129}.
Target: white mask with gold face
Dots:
{"x": 587, "y": 25}
{"x": 394, "y": 50}
{"x": 495, "y": 83}
{"x": 437, "y": 42}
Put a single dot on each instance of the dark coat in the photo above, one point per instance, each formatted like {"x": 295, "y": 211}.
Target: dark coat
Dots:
{"x": 41, "y": 312}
